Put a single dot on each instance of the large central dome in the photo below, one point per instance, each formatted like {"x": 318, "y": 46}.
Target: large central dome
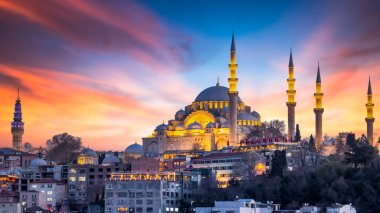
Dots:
{"x": 215, "y": 93}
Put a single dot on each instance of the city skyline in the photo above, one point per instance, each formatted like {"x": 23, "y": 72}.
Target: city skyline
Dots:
{"x": 127, "y": 70}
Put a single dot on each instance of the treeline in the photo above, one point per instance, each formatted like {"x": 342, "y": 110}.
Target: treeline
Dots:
{"x": 350, "y": 176}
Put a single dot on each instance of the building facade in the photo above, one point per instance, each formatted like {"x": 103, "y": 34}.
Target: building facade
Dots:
{"x": 156, "y": 192}
{"x": 53, "y": 190}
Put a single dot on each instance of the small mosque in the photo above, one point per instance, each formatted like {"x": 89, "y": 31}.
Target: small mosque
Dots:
{"x": 217, "y": 118}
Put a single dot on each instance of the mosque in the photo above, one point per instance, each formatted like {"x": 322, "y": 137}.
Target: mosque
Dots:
{"x": 217, "y": 118}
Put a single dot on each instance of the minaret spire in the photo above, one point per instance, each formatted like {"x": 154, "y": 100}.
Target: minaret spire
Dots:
{"x": 291, "y": 59}
{"x": 291, "y": 104}
{"x": 318, "y": 110}
{"x": 318, "y": 75}
{"x": 370, "y": 119}
{"x": 369, "y": 92}
{"x": 233, "y": 43}
{"x": 217, "y": 82}
{"x": 17, "y": 126}
{"x": 233, "y": 94}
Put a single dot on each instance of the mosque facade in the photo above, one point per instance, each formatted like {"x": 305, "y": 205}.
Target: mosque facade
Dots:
{"x": 205, "y": 123}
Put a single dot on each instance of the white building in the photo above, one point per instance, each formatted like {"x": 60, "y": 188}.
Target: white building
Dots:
{"x": 339, "y": 208}
{"x": 237, "y": 206}
{"x": 309, "y": 209}
{"x": 150, "y": 192}
{"x": 55, "y": 192}
{"x": 237, "y": 165}
{"x": 9, "y": 202}
{"x": 29, "y": 199}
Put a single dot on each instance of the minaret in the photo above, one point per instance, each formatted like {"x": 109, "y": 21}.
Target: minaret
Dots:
{"x": 370, "y": 119}
{"x": 233, "y": 94}
{"x": 17, "y": 124}
{"x": 318, "y": 110}
{"x": 291, "y": 104}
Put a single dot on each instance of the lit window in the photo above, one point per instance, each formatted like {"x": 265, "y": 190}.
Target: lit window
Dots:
{"x": 49, "y": 192}
{"x": 82, "y": 178}
{"x": 49, "y": 199}
{"x": 34, "y": 186}
{"x": 73, "y": 179}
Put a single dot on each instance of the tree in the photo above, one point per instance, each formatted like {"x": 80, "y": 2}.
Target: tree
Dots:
{"x": 279, "y": 163}
{"x": 312, "y": 147}
{"x": 62, "y": 148}
{"x": 297, "y": 137}
{"x": 361, "y": 155}
{"x": 276, "y": 128}
{"x": 27, "y": 147}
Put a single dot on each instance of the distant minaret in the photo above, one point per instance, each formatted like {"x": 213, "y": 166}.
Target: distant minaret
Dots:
{"x": 17, "y": 125}
{"x": 370, "y": 119}
{"x": 318, "y": 110}
{"x": 233, "y": 94}
{"x": 291, "y": 102}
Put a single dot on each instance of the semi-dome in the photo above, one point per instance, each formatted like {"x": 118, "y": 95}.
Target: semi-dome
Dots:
{"x": 110, "y": 159}
{"x": 161, "y": 127}
{"x": 256, "y": 114}
{"x": 210, "y": 125}
{"x": 244, "y": 130}
{"x": 194, "y": 125}
{"x": 180, "y": 115}
{"x": 37, "y": 162}
{"x": 89, "y": 152}
{"x": 246, "y": 116}
{"x": 134, "y": 149}
{"x": 214, "y": 93}
{"x": 180, "y": 127}
{"x": 225, "y": 124}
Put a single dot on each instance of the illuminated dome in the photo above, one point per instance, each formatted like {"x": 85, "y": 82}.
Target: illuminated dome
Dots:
{"x": 89, "y": 152}
{"x": 35, "y": 163}
{"x": 215, "y": 93}
{"x": 180, "y": 127}
{"x": 161, "y": 127}
{"x": 110, "y": 159}
{"x": 194, "y": 125}
{"x": 180, "y": 115}
{"x": 134, "y": 149}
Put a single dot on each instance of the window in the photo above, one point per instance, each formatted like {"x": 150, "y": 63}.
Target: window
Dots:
{"x": 82, "y": 179}
{"x": 50, "y": 186}
{"x": 139, "y": 201}
{"x": 109, "y": 194}
{"x": 72, "y": 179}
{"x": 131, "y": 194}
{"x": 122, "y": 194}
{"x": 49, "y": 199}
{"x": 49, "y": 192}
{"x": 149, "y": 194}
{"x": 150, "y": 202}
{"x": 139, "y": 194}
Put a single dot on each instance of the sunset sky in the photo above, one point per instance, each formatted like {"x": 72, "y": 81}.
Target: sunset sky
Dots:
{"x": 111, "y": 71}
